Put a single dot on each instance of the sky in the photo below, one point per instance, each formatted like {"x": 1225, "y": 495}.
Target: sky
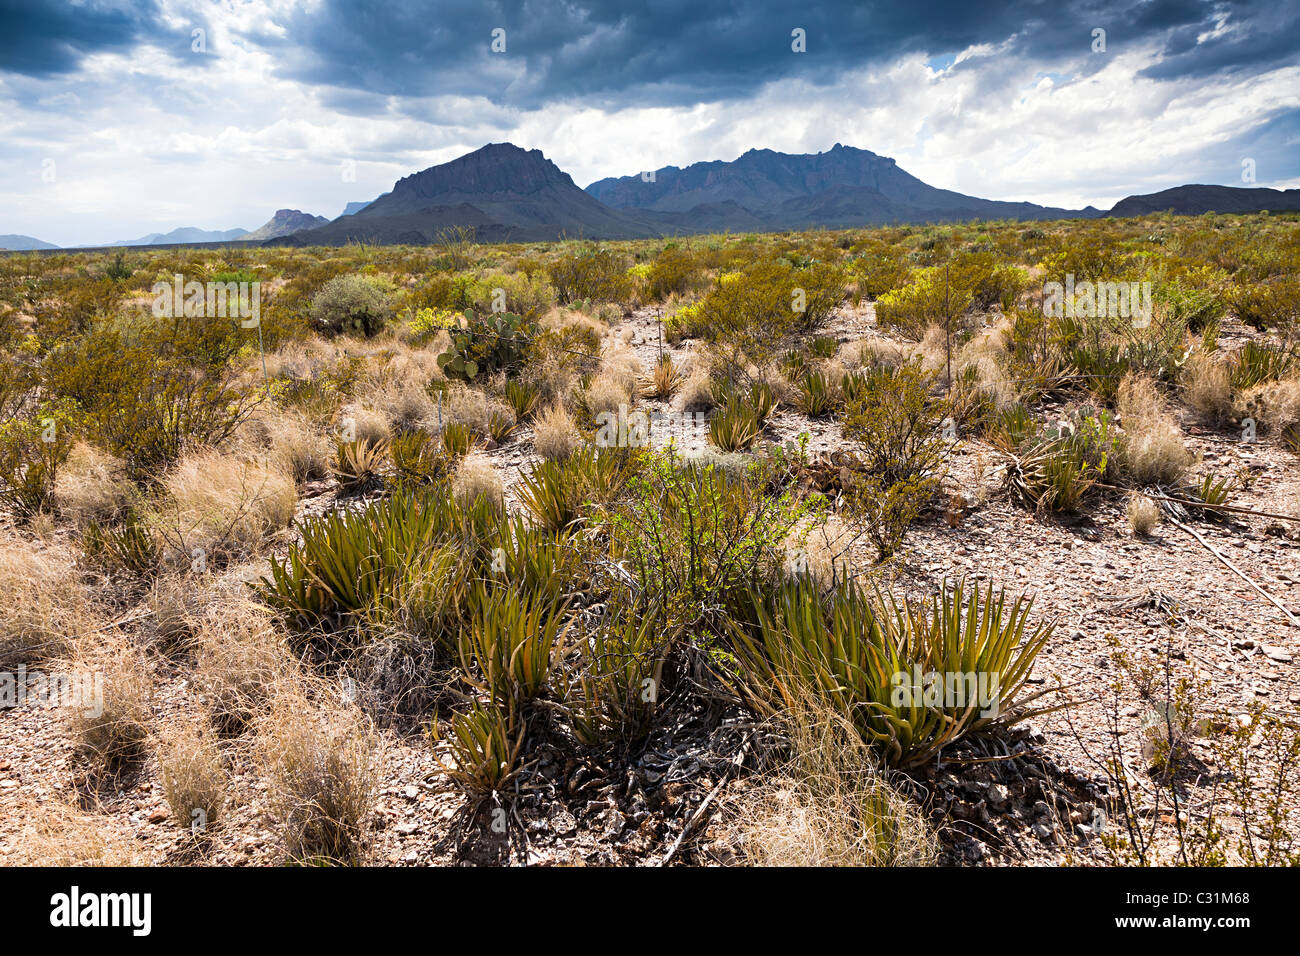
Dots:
{"x": 122, "y": 119}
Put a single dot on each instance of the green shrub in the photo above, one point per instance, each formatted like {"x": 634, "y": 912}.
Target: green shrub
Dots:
{"x": 352, "y": 303}
{"x": 597, "y": 275}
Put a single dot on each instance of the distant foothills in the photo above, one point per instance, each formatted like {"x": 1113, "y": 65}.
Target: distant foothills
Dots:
{"x": 506, "y": 193}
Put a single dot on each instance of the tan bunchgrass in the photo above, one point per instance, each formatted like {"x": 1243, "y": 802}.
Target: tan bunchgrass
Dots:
{"x": 1207, "y": 386}
{"x": 59, "y": 833}
{"x": 112, "y": 734}
{"x": 1143, "y": 514}
{"x": 322, "y": 766}
{"x": 828, "y": 804}
{"x": 224, "y": 505}
{"x": 92, "y": 486}
{"x": 194, "y": 782}
{"x": 554, "y": 433}
{"x": 45, "y": 603}
{"x": 476, "y": 477}
{"x": 1153, "y": 451}
{"x": 241, "y": 659}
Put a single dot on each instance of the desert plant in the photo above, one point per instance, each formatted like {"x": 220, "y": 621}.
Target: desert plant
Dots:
{"x": 913, "y": 677}
{"x": 816, "y": 395}
{"x": 352, "y": 303}
{"x": 193, "y": 780}
{"x": 358, "y": 465}
{"x": 321, "y": 768}
{"x": 735, "y": 425}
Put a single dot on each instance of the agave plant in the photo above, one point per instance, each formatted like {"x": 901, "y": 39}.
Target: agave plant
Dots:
{"x": 358, "y": 464}
{"x": 913, "y": 677}
{"x": 485, "y": 743}
{"x": 734, "y": 426}
{"x": 507, "y": 646}
{"x": 664, "y": 380}
{"x": 816, "y": 396}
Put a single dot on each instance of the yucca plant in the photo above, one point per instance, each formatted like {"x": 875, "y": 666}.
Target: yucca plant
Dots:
{"x": 1214, "y": 490}
{"x": 418, "y": 459}
{"x": 500, "y": 427}
{"x": 824, "y": 346}
{"x": 1057, "y": 472}
{"x": 913, "y": 677}
{"x": 614, "y": 696}
{"x": 522, "y": 397}
{"x": 763, "y": 399}
{"x": 1012, "y": 427}
{"x": 358, "y": 465}
{"x": 665, "y": 379}
{"x": 128, "y": 546}
{"x": 816, "y": 396}
{"x": 458, "y": 439}
{"x": 553, "y": 493}
{"x": 399, "y": 559}
{"x": 506, "y": 648}
{"x": 1257, "y": 363}
{"x": 854, "y": 387}
{"x": 485, "y": 743}
{"x": 734, "y": 426}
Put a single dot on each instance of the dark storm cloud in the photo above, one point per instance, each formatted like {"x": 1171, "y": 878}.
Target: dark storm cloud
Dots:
{"x": 675, "y": 52}
{"x": 45, "y": 38}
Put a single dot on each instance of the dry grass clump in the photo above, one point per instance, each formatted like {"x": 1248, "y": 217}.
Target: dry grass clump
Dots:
{"x": 1207, "y": 386}
{"x": 869, "y": 353}
{"x": 178, "y": 603}
{"x": 223, "y": 505}
{"x": 322, "y": 768}
{"x": 404, "y": 405}
{"x": 111, "y": 731}
{"x": 240, "y": 661}
{"x": 359, "y": 423}
{"x": 606, "y": 393}
{"x": 192, "y": 777}
{"x": 44, "y": 603}
{"x": 476, "y": 477}
{"x": 620, "y": 365}
{"x": 58, "y": 833}
{"x": 821, "y": 551}
{"x": 1274, "y": 405}
{"x": 1143, "y": 514}
{"x": 299, "y": 449}
{"x": 473, "y": 408}
{"x": 1153, "y": 450}
{"x": 92, "y": 486}
{"x": 697, "y": 394}
{"x": 830, "y": 805}
{"x": 554, "y": 433}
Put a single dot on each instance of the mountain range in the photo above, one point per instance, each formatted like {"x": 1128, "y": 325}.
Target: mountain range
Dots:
{"x": 285, "y": 222}
{"x": 506, "y": 193}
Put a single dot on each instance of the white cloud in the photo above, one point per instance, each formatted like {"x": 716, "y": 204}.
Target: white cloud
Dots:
{"x": 145, "y": 143}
